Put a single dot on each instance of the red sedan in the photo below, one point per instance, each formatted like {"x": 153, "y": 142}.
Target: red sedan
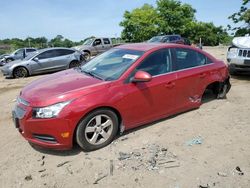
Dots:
{"x": 123, "y": 88}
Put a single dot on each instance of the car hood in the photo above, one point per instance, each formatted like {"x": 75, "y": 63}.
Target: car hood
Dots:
{"x": 15, "y": 62}
{"x": 59, "y": 87}
{"x": 81, "y": 47}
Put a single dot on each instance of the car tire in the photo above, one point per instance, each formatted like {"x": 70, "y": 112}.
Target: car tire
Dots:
{"x": 97, "y": 129}
{"x": 74, "y": 64}
{"x": 87, "y": 56}
{"x": 223, "y": 89}
{"x": 20, "y": 72}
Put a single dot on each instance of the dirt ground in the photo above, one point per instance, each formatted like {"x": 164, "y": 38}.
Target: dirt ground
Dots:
{"x": 157, "y": 155}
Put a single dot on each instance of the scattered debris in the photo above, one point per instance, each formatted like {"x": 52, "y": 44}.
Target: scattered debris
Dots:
{"x": 28, "y": 178}
{"x": 124, "y": 138}
{"x": 194, "y": 141}
{"x": 111, "y": 167}
{"x": 136, "y": 180}
{"x": 42, "y": 170}
{"x": 124, "y": 156}
{"x": 150, "y": 157}
{"x": 204, "y": 186}
{"x": 63, "y": 163}
{"x": 238, "y": 170}
{"x": 100, "y": 178}
{"x": 69, "y": 170}
{"x": 43, "y": 175}
{"x": 43, "y": 162}
{"x": 222, "y": 174}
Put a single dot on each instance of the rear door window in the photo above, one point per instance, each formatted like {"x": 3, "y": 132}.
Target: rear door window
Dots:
{"x": 188, "y": 58}
{"x": 62, "y": 52}
{"x": 47, "y": 54}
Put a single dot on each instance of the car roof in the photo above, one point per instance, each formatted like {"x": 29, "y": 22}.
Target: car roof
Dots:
{"x": 147, "y": 46}
{"x": 55, "y": 48}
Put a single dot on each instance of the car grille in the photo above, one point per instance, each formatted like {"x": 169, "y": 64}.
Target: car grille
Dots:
{"x": 45, "y": 138}
{"x": 244, "y": 53}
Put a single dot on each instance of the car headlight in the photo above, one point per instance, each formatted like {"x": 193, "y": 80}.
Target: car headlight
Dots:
{"x": 49, "y": 111}
{"x": 233, "y": 51}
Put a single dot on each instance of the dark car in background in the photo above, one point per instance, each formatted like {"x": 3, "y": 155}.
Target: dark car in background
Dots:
{"x": 43, "y": 61}
{"x": 167, "y": 39}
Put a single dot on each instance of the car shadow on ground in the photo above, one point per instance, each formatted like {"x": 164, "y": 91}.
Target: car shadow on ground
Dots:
{"x": 73, "y": 151}
{"x": 242, "y": 76}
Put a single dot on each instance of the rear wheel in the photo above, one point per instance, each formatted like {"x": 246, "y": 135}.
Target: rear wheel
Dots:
{"x": 97, "y": 129}
{"x": 223, "y": 89}
{"x": 74, "y": 64}
{"x": 20, "y": 72}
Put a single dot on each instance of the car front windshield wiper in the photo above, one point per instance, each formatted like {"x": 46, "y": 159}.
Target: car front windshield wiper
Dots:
{"x": 92, "y": 74}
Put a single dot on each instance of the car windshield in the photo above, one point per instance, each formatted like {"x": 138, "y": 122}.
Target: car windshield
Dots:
{"x": 111, "y": 64}
{"x": 156, "y": 39}
{"x": 88, "y": 41}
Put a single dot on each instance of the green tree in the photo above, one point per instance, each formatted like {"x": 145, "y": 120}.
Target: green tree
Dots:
{"x": 140, "y": 24}
{"x": 242, "y": 16}
{"x": 174, "y": 16}
{"x": 169, "y": 17}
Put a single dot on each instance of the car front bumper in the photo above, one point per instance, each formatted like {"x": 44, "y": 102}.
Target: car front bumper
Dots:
{"x": 6, "y": 72}
{"x": 54, "y": 133}
{"x": 239, "y": 64}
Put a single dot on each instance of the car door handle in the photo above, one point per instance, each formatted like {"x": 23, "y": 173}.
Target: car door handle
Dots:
{"x": 202, "y": 75}
{"x": 170, "y": 85}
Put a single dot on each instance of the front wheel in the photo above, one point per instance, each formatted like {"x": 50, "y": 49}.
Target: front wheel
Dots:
{"x": 97, "y": 129}
{"x": 20, "y": 72}
{"x": 87, "y": 56}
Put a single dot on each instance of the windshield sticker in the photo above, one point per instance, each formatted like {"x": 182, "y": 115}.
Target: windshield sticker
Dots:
{"x": 130, "y": 56}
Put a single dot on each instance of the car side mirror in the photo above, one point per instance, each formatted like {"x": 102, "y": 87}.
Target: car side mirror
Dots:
{"x": 36, "y": 59}
{"x": 141, "y": 76}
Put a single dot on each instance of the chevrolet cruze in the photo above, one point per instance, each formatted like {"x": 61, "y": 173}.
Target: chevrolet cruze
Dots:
{"x": 125, "y": 87}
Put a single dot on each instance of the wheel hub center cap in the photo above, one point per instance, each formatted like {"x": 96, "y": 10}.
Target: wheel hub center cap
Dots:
{"x": 98, "y": 129}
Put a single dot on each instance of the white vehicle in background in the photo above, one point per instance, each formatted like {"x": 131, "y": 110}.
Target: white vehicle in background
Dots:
{"x": 238, "y": 55}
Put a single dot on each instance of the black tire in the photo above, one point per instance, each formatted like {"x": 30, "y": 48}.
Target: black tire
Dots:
{"x": 94, "y": 127}
{"x": 9, "y": 60}
{"x": 20, "y": 72}
{"x": 87, "y": 56}
{"x": 74, "y": 64}
{"x": 223, "y": 89}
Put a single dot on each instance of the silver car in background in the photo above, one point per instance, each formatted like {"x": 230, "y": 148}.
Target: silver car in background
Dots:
{"x": 43, "y": 61}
